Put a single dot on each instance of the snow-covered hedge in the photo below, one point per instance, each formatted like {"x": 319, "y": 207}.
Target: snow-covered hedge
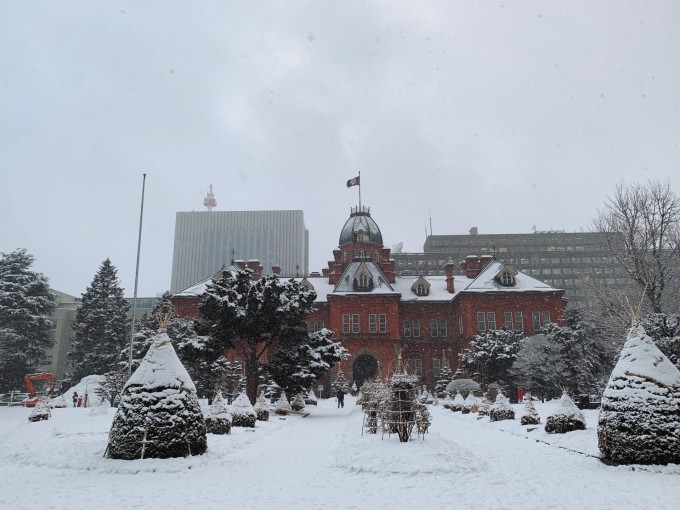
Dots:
{"x": 159, "y": 415}
{"x": 298, "y": 403}
{"x": 640, "y": 415}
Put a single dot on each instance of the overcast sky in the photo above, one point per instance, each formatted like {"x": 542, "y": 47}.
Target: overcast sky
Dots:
{"x": 496, "y": 114}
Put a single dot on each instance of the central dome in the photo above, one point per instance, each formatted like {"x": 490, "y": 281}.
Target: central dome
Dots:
{"x": 360, "y": 219}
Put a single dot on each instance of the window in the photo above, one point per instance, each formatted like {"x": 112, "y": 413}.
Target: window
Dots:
{"x": 436, "y": 367}
{"x": 414, "y": 367}
{"x": 434, "y": 328}
{"x": 421, "y": 290}
{"x": 461, "y": 328}
{"x": 372, "y": 325}
{"x": 481, "y": 321}
{"x": 442, "y": 328}
{"x": 519, "y": 321}
{"x": 546, "y": 318}
{"x": 313, "y": 326}
{"x": 407, "y": 329}
{"x": 506, "y": 278}
{"x": 345, "y": 323}
{"x": 416, "y": 328}
{"x": 382, "y": 324}
{"x": 536, "y": 321}
{"x": 491, "y": 320}
{"x": 507, "y": 320}
{"x": 363, "y": 281}
{"x": 355, "y": 323}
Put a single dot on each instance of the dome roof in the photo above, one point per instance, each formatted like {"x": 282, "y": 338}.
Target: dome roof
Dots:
{"x": 360, "y": 218}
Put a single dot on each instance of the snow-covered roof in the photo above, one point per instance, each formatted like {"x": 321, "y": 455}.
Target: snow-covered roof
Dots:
{"x": 486, "y": 281}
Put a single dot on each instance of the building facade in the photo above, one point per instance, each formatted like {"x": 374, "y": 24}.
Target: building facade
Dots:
{"x": 205, "y": 241}
{"x": 428, "y": 320}
{"x": 561, "y": 259}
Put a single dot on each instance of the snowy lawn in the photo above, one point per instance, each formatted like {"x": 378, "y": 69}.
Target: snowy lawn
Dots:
{"x": 323, "y": 461}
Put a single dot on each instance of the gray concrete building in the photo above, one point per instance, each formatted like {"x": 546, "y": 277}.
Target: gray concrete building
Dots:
{"x": 561, "y": 259}
{"x": 207, "y": 240}
{"x": 55, "y": 360}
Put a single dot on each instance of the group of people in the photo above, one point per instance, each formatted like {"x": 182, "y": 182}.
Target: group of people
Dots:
{"x": 77, "y": 399}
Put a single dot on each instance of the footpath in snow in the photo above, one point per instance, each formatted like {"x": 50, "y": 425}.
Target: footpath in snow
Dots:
{"x": 324, "y": 461}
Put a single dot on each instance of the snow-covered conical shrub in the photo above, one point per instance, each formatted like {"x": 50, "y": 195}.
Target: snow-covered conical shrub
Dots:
{"x": 529, "y": 415}
{"x": 40, "y": 412}
{"x": 447, "y": 401}
{"x": 457, "y": 403}
{"x": 470, "y": 404}
{"x": 310, "y": 399}
{"x": 218, "y": 418}
{"x": 502, "y": 410}
{"x": 639, "y": 419}
{"x": 282, "y": 405}
{"x": 484, "y": 407}
{"x": 242, "y": 412}
{"x": 159, "y": 415}
{"x": 261, "y": 408}
{"x": 298, "y": 403}
{"x": 565, "y": 418}
{"x": 425, "y": 397}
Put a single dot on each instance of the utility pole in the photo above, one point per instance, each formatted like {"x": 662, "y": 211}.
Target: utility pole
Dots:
{"x": 134, "y": 297}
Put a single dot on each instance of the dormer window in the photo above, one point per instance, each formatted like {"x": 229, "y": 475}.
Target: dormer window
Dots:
{"x": 361, "y": 235}
{"x": 306, "y": 284}
{"x": 363, "y": 280}
{"x": 421, "y": 287}
{"x": 507, "y": 278}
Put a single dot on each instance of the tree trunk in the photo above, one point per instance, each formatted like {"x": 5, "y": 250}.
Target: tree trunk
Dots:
{"x": 252, "y": 375}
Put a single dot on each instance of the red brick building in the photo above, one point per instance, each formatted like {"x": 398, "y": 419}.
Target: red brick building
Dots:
{"x": 374, "y": 312}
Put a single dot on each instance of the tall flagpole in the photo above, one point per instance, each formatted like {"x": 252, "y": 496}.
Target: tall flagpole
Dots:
{"x": 134, "y": 297}
{"x": 360, "y": 191}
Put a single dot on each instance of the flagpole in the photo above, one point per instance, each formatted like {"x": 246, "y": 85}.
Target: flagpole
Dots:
{"x": 134, "y": 298}
{"x": 359, "y": 190}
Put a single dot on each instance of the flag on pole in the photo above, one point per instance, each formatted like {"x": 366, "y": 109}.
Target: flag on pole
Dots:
{"x": 353, "y": 182}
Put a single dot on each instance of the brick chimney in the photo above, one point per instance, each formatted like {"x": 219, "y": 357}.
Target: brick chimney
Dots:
{"x": 255, "y": 266}
{"x": 473, "y": 265}
{"x": 448, "y": 269}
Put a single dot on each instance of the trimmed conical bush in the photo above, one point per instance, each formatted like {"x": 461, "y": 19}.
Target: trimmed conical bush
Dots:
{"x": 457, "y": 403}
{"x": 261, "y": 408}
{"x": 502, "y": 410}
{"x": 159, "y": 415}
{"x": 243, "y": 414}
{"x": 218, "y": 418}
{"x": 565, "y": 418}
{"x": 639, "y": 419}
{"x": 530, "y": 415}
{"x": 282, "y": 405}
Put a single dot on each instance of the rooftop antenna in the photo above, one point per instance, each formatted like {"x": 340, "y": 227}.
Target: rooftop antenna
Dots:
{"x": 430, "y": 213}
{"x": 209, "y": 200}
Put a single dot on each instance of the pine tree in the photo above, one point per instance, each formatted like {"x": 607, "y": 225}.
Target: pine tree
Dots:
{"x": 340, "y": 383}
{"x": 102, "y": 326}
{"x": 530, "y": 416}
{"x": 261, "y": 408}
{"x": 111, "y": 387}
{"x": 541, "y": 366}
{"x": 298, "y": 403}
{"x": 502, "y": 410}
{"x": 445, "y": 376}
{"x": 263, "y": 316}
{"x": 25, "y": 329}
{"x": 492, "y": 354}
{"x": 664, "y": 329}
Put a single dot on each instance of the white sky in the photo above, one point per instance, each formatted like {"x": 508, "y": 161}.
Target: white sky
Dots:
{"x": 501, "y": 115}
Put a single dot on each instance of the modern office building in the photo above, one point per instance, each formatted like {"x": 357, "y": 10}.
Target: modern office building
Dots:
{"x": 55, "y": 360}
{"x": 207, "y": 240}
{"x": 563, "y": 260}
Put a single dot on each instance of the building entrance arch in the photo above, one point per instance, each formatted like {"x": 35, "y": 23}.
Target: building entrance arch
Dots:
{"x": 365, "y": 367}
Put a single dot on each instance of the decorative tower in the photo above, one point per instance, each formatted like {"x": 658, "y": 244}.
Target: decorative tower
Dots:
{"x": 209, "y": 200}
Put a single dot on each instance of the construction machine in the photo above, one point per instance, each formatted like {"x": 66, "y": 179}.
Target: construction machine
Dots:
{"x": 46, "y": 389}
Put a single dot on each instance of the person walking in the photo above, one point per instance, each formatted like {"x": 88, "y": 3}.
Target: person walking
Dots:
{"x": 75, "y": 398}
{"x": 341, "y": 398}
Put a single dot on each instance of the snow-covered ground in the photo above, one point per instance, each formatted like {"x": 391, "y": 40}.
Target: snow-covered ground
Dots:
{"x": 324, "y": 461}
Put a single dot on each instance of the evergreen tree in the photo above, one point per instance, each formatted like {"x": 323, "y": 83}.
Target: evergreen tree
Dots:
{"x": 111, "y": 387}
{"x": 664, "y": 329}
{"x": 491, "y": 354}
{"x": 640, "y": 416}
{"x": 102, "y": 326}
{"x": 296, "y": 368}
{"x": 340, "y": 383}
{"x": 541, "y": 366}
{"x": 218, "y": 419}
{"x": 445, "y": 376}
{"x": 530, "y": 416}
{"x": 282, "y": 405}
{"x": 587, "y": 361}
{"x": 257, "y": 317}
{"x": 261, "y": 408}
{"x": 501, "y": 410}
{"x": 159, "y": 415}
{"x": 25, "y": 329}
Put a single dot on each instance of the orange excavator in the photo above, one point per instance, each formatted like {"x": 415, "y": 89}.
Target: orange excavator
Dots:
{"x": 46, "y": 389}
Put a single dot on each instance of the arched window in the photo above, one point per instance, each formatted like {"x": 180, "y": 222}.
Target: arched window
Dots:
{"x": 363, "y": 280}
